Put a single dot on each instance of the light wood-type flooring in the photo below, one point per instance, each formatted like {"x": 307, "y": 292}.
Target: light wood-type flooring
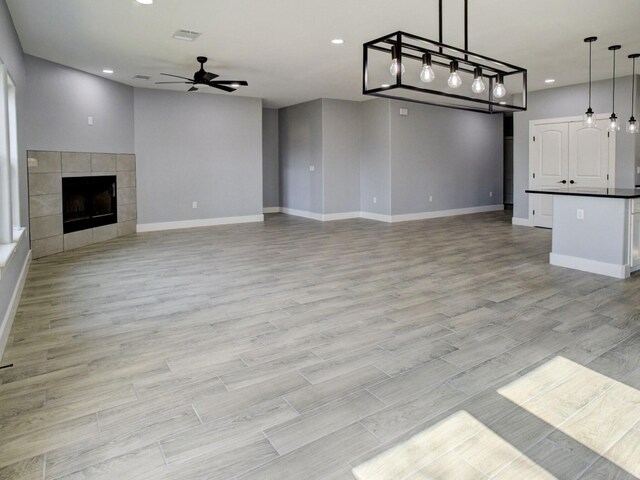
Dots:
{"x": 295, "y": 349}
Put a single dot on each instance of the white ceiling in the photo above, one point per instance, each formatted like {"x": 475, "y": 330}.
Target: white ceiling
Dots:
{"x": 282, "y": 47}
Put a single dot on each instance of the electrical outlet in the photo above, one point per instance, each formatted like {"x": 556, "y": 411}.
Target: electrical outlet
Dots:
{"x": 90, "y": 121}
{"x": 580, "y": 214}
{"x": 375, "y": 199}
{"x": 312, "y": 168}
{"x": 32, "y": 162}
{"x": 404, "y": 112}
{"x": 194, "y": 205}
{"x": 431, "y": 198}
{"x": 491, "y": 194}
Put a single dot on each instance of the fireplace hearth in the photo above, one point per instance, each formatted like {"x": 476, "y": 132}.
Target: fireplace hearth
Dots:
{"x": 88, "y": 202}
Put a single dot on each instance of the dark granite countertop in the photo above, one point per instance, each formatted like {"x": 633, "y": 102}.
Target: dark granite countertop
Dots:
{"x": 589, "y": 192}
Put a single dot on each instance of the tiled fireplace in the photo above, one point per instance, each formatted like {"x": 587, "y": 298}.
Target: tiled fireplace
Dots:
{"x": 113, "y": 175}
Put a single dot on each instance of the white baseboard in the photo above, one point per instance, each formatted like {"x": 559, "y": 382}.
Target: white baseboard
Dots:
{"x": 592, "y": 266}
{"x": 7, "y": 322}
{"x": 271, "y": 210}
{"x": 328, "y": 217}
{"x": 409, "y": 217}
{"x": 380, "y": 217}
{"x": 204, "y": 222}
{"x": 301, "y": 213}
{"x": 522, "y": 222}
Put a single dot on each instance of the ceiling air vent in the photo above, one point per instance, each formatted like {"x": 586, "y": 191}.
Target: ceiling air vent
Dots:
{"x": 186, "y": 35}
{"x": 141, "y": 77}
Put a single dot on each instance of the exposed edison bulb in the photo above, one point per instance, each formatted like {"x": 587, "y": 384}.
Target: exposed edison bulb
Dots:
{"x": 478, "y": 85}
{"x": 589, "y": 120}
{"x": 614, "y": 126}
{"x": 427, "y": 74}
{"x": 454, "y": 77}
{"x": 632, "y": 125}
{"x": 498, "y": 90}
{"x": 396, "y": 67}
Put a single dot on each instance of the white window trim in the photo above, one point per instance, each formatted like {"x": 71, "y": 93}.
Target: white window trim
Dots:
{"x": 12, "y": 231}
{"x": 7, "y": 250}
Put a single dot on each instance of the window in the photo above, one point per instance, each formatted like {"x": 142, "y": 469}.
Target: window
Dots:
{"x": 10, "y": 225}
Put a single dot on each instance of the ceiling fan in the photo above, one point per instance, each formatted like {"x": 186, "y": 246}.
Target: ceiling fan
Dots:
{"x": 202, "y": 77}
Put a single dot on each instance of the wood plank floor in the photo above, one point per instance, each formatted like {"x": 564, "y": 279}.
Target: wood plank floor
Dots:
{"x": 303, "y": 350}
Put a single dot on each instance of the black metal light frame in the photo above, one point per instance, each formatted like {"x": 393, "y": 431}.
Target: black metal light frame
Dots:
{"x": 413, "y": 47}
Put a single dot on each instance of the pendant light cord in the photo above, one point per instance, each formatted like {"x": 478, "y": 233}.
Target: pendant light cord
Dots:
{"x": 613, "y": 101}
{"x": 633, "y": 86}
{"x": 590, "y": 43}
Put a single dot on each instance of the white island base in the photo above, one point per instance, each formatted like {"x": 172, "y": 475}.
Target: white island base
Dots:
{"x": 596, "y": 233}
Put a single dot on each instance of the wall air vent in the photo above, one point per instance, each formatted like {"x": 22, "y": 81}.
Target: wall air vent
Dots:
{"x": 141, "y": 77}
{"x": 186, "y": 35}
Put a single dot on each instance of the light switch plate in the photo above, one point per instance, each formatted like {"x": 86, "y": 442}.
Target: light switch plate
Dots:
{"x": 404, "y": 112}
{"x": 312, "y": 168}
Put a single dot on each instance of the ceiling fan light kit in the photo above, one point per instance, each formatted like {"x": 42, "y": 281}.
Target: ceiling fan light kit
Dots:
{"x": 202, "y": 77}
{"x": 434, "y": 73}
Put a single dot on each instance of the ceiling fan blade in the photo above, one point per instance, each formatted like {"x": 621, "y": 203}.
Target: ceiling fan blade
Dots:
{"x": 160, "y": 83}
{"x": 192, "y": 89}
{"x": 207, "y": 77}
{"x": 231, "y": 82}
{"x": 221, "y": 87}
{"x": 177, "y": 76}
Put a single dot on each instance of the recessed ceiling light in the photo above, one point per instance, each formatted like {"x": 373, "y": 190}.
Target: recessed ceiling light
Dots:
{"x": 550, "y": 80}
{"x": 385, "y": 85}
{"x": 337, "y": 41}
{"x": 108, "y": 71}
{"x": 235, "y": 85}
{"x": 145, "y": 2}
{"x": 502, "y": 103}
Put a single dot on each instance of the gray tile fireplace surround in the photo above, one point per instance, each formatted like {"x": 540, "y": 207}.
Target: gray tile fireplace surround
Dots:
{"x": 46, "y": 170}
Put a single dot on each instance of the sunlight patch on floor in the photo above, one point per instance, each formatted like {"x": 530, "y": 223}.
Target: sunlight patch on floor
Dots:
{"x": 593, "y": 409}
{"x": 458, "y": 447}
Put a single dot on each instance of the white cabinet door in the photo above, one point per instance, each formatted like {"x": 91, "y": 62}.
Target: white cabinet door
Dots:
{"x": 589, "y": 155}
{"x": 551, "y": 168}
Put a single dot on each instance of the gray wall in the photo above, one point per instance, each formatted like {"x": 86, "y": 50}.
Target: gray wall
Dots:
{"x": 270, "y": 162}
{"x": 11, "y": 55}
{"x": 60, "y": 101}
{"x": 375, "y": 167}
{"x": 569, "y": 102}
{"x": 454, "y": 156}
{"x": 300, "y": 133}
{"x": 197, "y": 147}
{"x": 341, "y": 147}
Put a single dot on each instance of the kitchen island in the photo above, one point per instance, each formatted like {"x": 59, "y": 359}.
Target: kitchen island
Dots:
{"x": 595, "y": 229}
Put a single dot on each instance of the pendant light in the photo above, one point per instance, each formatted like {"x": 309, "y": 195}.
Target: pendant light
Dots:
{"x": 454, "y": 77}
{"x": 478, "y": 85}
{"x": 632, "y": 124}
{"x": 589, "y": 117}
{"x": 427, "y": 75}
{"x": 614, "y": 126}
{"x": 396, "y": 66}
{"x": 499, "y": 91}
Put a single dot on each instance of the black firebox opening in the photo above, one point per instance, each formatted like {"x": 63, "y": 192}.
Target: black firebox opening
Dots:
{"x": 88, "y": 202}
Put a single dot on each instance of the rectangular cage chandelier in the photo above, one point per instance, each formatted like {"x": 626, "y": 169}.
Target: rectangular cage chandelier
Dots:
{"x": 407, "y": 67}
